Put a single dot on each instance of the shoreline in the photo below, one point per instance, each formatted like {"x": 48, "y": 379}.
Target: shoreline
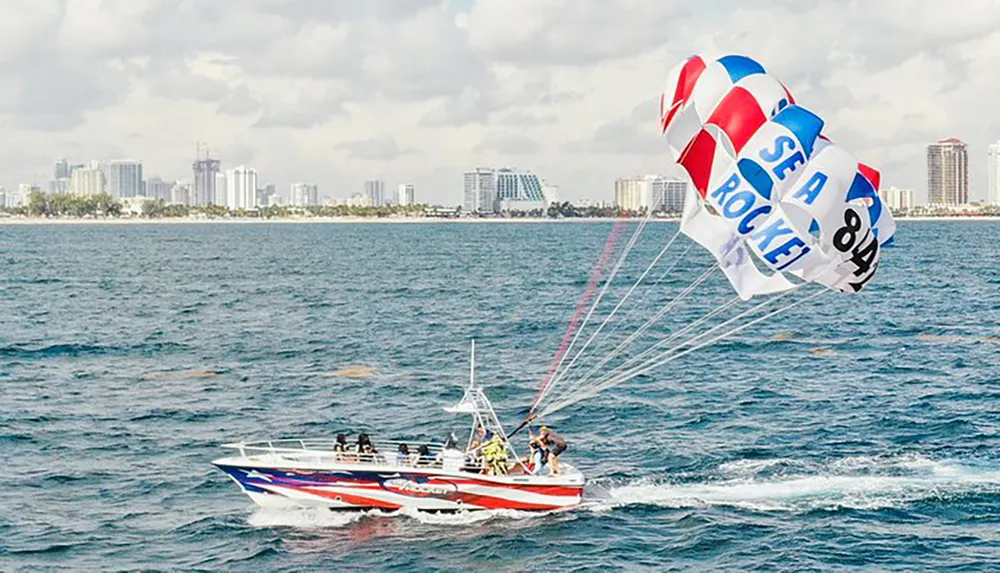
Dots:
{"x": 375, "y": 220}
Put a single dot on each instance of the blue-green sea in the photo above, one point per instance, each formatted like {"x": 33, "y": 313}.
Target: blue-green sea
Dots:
{"x": 854, "y": 432}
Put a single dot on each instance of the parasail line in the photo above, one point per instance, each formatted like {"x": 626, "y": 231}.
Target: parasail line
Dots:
{"x": 600, "y": 295}
{"x": 617, "y": 306}
{"x": 649, "y": 323}
{"x": 656, "y": 363}
{"x": 595, "y": 275}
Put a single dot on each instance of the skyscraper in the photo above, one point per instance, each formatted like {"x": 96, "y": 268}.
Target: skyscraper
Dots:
{"x": 157, "y": 188}
{"x": 61, "y": 171}
{"x": 375, "y": 191}
{"x": 674, "y": 192}
{"x": 123, "y": 178}
{"x": 304, "y": 194}
{"x": 479, "y": 190}
{"x": 203, "y": 190}
{"x": 241, "y": 188}
{"x": 88, "y": 181}
{"x": 220, "y": 189}
{"x": 630, "y": 194}
{"x": 404, "y": 194}
{"x": 994, "y": 174}
{"x": 948, "y": 172}
{"x": 265, "y": 193}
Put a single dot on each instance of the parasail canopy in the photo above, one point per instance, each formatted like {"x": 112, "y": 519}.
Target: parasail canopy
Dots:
{"x": 774, "y": 200}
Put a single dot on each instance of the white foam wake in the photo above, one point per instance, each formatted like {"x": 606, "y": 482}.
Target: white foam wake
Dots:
{"x": 321, "y": 518}
{"x": 856, "y": 483}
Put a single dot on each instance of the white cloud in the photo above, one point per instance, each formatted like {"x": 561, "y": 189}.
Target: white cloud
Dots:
{"x": 418, "y": 90}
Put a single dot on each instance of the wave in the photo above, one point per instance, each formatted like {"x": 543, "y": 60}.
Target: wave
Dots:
{"x": 81, "y": 350}
{"x": 862, "y": 483}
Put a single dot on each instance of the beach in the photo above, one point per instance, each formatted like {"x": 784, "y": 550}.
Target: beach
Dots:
{"x": 362, "y": 220}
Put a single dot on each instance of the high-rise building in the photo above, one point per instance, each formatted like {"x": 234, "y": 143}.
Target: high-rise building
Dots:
{"x": 220, "y": 189}
{"x": 203, "y": 190}
{"x": 3, "y": 197}
{"x": 375, "y": 190}
{"x": 897, "y": 199}
{"x": 674, "y": 193}
{"x": 180, "y": 194}
{"x": 157, "y": 188}
{"x": 948, "y": 172}
{"x": 993, "y": 195}
{"x": 304, "y": 194}
{"x": 479, "y": 190}
{"x": 646, "y": 192}
{"x": 61, "y": 185}
{"x": 61, "y": 171}
{"x": 518, "y": 191}
{"x": 404, "y": 194}
{"x": 241, "y": 188}
{"x": 123, "y": 178}
{"x": 265, "y": 193}
{"x": 630, "y": 193}
{"x": 88, "y": 181}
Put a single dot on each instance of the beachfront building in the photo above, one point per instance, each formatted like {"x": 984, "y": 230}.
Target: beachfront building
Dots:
{"x": 488, "y": 190}
{"x": 898, "y": 199}
{"x": 629, "y": 195}
{"x": 123, "y": 178}
{"x": 642, "y": 192}
{"x": 181, "y": 194}
{"x": 375, "y": 191}
{"x": 479, "y": 188}
{"x": 241, "y": 188}
{"x": 518, "y": 191}
{"x": 948, "y": 172}
{"x": 88, "y": 181}
{"x": 404, "y": 195}
{"x": 993, "y": 188}
{"x": 304, "y": 195}
{"x": 204, "y": 190}
{"x": 157, "y": 188}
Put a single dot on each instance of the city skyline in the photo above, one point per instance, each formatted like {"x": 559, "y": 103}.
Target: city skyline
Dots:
{"x": 390, "y": 106}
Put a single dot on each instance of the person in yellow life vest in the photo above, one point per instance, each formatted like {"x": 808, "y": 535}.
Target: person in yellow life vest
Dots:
{"x": 495, "y": 455}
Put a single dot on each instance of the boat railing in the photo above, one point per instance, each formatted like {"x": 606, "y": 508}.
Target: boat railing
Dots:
{"x": 326, "y": 450}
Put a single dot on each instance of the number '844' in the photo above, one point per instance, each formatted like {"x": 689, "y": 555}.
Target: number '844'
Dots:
{"x": 863, "y": 251}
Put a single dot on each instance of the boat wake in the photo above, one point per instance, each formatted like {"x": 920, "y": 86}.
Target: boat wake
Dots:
{"x": 773, "y": 485}
{"x": 322, "y": 518}
{"x": 782, "y": 485}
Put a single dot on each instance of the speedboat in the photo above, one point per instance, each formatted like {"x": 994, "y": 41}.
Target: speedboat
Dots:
{"x": 316, "y": 473}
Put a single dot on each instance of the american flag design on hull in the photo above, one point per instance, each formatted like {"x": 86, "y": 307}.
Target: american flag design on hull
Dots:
{"x": 390, "y": 490}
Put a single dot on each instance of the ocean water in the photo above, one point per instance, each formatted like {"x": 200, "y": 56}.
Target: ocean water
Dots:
{"x": 852, "y": 432}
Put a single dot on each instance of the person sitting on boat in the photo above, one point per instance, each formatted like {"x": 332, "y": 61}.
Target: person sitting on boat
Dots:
{"x": 538, "y": 455}
{"x": 342, "y": 450}
{"x": 555, "y": 444}
{"x": 424, "y": 457}
{"x": 365, "y": 449}
{"x": 474, "y": 457}
{"x": 403, "y": 455}
{"x": 495, "y": 456}
{"x": 450, "y": 457}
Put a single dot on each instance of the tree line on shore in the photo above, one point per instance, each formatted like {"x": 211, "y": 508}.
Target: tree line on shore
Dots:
{"x": 67, "y": 205}
{"x": 105, "y": 206}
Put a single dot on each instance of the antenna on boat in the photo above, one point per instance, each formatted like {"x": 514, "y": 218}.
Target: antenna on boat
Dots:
{"x": 472, "y": 365}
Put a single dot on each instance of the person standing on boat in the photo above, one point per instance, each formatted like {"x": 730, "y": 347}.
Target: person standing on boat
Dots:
{"x": 555, "y": 444}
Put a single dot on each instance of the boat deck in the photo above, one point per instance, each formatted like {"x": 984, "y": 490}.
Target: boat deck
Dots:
{"x": 321, "y": 454}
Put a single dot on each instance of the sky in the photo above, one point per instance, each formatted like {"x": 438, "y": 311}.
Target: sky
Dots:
{"x": 417, "y": 91}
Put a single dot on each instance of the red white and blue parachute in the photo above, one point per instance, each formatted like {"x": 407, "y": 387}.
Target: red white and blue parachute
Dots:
{"x": 767, "y": 181}
{"x": 777, "y": 203}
